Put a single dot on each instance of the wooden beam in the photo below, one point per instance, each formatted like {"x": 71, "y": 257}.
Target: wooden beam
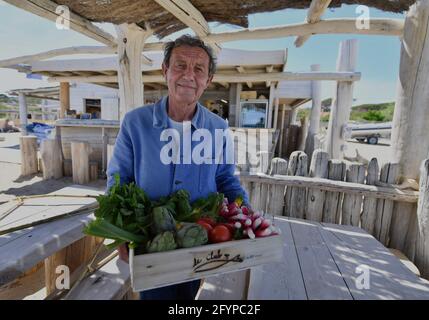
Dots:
{"x": 47, "y": 9}
{"x": 315, "y": 12}
{"x": 240, "y": 69}
{"x": 224, "y": 84}
{"x": 234, "y": 78}
{"x": 387, "y": 27}
{"x": 57, "y": 52}
{"x": 185, "y": 11}
{"x": 269, "y": 69}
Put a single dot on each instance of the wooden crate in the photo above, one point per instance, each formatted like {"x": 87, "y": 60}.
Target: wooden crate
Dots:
{"x": 154, "y": 270}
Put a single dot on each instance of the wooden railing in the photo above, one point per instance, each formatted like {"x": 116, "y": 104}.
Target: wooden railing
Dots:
{"x": 342, "y": 192}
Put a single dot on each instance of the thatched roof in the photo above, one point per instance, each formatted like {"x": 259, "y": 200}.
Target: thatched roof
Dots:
{"x": 223, "y": 11}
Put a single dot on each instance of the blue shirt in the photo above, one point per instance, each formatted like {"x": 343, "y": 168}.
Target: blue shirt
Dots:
{"x": 136, "y": 157}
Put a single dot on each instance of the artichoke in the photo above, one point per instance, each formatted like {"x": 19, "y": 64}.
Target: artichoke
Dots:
{"x": 191, "y": 235}
{"x": 162, "y": 242}
{"x": 162, "y": 220}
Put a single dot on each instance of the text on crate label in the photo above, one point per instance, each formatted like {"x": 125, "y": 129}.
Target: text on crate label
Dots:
{"x": 214, "y": 260}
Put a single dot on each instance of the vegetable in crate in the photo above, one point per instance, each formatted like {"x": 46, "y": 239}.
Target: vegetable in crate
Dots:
{"x": 122, "y": 215}
{"x": 162, "y": 242}
{"x": 162, "y": 219}
{"x": 191, "y": 235}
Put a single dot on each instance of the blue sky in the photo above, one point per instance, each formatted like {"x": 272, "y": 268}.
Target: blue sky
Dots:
{"x": 23, "y": 33}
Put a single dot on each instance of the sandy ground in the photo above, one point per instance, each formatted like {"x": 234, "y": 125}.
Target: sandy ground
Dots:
{"x": 382, "y": 151}
{"x": 11, "y": 182}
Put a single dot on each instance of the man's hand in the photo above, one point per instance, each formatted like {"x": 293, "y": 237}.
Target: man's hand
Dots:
{"x": 123, "y": 252}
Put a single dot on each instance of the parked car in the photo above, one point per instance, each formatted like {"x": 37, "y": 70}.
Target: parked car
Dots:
{"x": 370, "y": 132}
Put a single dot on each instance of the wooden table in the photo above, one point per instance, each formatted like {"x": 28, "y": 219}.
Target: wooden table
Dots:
{"x": 322, "y": 261}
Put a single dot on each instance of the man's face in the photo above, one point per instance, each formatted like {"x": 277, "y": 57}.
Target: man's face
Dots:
{"x": 188, "y": 74}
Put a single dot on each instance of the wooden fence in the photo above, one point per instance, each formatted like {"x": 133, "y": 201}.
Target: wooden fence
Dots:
{"x": 342, "y": 192}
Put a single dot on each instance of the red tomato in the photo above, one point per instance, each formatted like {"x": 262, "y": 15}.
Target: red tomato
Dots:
{"x": 207, "y": 220}
{"x": 205, "y": 225}
{"x": 220, "y": 233}
{"x": 230, "y": 226}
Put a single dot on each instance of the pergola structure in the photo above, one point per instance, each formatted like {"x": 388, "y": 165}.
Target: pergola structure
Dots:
{"x": 137, "y": 21}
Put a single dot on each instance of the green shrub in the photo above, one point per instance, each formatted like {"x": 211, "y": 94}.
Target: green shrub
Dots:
{"x": 373, "y": 116}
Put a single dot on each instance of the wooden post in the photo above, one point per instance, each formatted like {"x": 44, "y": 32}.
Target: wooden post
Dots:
{"x": 422, "y": 250}
{"x": 333, "y": 200}
{"x": 316, "y": 109}
{"x": 295, "y": 197}
{"x": 232, "y": 114}
{"x": 238, "y": 104}
{"x": 316, "y": 197}
{"x": 276, "y": 113}
{"x": 52, "y": 161}
{"x": 93, "y": 170}
{"x": 370, "y": 204}
{"x": 303, "y": 133}
{"x": 131, "y": 39}
{"x": 282, "y": 131}
{"x": 67, "y": 168}
{"x": 277, "y": 193}
{"x": 352, "y": 204}
{"x": 29, "y": 163}
{"x": 64, "y": 99}
{"x": 410, "y": 138}
{"x": 383, "y": 214}
{"x": 340, "y": 111}
{"x": 23, "y": 111}
{"x": 80, "y": 162}
{"x": 270, "y": 106}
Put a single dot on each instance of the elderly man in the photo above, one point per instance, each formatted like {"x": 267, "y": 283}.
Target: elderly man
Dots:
{"x": 140, "y": 151}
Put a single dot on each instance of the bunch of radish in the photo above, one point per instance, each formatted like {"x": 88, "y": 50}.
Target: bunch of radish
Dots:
{"x": 253, "y": 224}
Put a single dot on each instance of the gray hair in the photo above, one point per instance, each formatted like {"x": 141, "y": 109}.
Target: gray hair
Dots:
{"x": 190, "y": 41}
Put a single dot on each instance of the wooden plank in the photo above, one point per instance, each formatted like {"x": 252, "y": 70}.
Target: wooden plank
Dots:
{"x": 316, "y": 197}
{"x": 111, "y": 282}
{"x": 321, "y": 276}
{"x": 276, "y": 199}
{"x": 383, "y": 214}
{"x": 295, "y": 197}
{"x": 370, "y": 204}
{"x": 80, "y": 161}
{"x": 352, "y": 205}
{"x": 333, "y": 200}
{"x": 281, "y": 280}
{"x": 24, "y": 248}
{"x": 352, "y": 247}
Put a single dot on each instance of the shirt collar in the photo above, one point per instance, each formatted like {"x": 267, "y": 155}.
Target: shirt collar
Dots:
{"x": 160, "y": 116}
